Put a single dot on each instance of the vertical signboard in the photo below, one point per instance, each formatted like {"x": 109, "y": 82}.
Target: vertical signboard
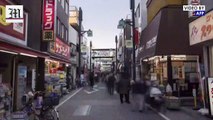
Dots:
{"x": 48, "y": 20}
{"x": 210, "y": 89}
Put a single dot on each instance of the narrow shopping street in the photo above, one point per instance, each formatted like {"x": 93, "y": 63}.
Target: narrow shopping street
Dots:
{"x": 99, "y": 105}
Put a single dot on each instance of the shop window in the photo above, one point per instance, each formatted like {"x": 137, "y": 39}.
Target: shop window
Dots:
{"x": 66, "y": 34}
{"x": 58, "y": 27}
{"x": 62, "y": 31}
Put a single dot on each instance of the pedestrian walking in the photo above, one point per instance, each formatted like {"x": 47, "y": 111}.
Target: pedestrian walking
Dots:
{"x": 111, "y": 83}
{"x": 124, "y": 87}
{"x": 91, "y": 79}
{"x": 139, "y": 90}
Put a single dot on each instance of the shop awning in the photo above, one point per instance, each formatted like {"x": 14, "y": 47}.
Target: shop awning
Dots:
{"x": 167, "y": 34}
{"x": 22, "y": 50}
{"x": 26, "y": 51}
{"x": 59, "y": 58}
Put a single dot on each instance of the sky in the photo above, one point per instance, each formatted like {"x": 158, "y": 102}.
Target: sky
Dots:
{"x": 102, "y": 16}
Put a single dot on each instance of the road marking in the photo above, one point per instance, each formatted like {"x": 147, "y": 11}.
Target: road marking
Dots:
{"x": 90, "y": 92}
{"x": 103, "y": 88}
{"x": 82, "y": 110}
{"x": 68, "y": 98}
{"x": 159, "y": 113}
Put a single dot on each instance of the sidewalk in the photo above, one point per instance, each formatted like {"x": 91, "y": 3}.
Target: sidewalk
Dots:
{"x": 185, "y": 113}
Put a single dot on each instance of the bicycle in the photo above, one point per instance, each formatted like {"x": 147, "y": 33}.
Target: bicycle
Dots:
{"x": 46, "y": 112}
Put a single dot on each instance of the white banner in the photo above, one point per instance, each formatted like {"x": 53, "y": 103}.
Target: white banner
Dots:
{"x": 201, "y": 29}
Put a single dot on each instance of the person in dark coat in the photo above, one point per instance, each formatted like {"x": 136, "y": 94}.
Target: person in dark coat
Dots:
{"x": 91, "y": 79}
{"x": 139, "y": 89}
{"x": 111, "y": 82}
{"x": 124, "y": 87}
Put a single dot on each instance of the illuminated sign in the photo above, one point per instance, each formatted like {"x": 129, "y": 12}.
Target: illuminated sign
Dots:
{"x": 60, "y": 48}
{"x": 48, "y": 20}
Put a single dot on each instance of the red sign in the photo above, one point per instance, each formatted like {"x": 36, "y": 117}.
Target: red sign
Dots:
{"x": 16, "y": 30}
{"x": 62, "y": 48}
{"x": 48, "y": 20}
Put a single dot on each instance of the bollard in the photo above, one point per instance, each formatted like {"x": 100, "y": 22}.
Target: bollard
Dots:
{"x": 195, "y": 97}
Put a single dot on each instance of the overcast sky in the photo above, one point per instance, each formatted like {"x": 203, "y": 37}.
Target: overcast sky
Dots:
{"x": 102, "y": 16}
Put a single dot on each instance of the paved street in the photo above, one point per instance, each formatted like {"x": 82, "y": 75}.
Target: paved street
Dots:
{"x": 98, "y": 105}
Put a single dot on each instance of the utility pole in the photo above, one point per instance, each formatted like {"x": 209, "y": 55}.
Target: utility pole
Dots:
{"x": 116, "y": 53}
{"x": 90, "y": 57}
{"x": 79, "y": 35}
{"x": 132, "y": 7}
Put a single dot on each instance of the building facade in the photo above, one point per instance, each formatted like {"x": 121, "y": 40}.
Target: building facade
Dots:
{"x": 200, "y": 34}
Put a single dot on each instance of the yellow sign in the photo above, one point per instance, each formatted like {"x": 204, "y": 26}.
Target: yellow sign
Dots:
{"x": 3, "y": 16}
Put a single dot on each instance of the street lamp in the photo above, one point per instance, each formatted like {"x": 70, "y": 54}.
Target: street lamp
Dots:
{"x": 116, "y": 50}
{"x": 80, "y": 33}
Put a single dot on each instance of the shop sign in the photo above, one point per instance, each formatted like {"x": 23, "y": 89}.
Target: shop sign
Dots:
{"x": 210, "y": 86}
{"x": 14, "y": 32}
{"x": 62, "y": 48}
{"x": 103, "y": 53}
{"x": 128, "y": 43}
{"x": 83, "y": 49}
{"x": 48, "y": 20}
{"x": 151, "y": 43}
{"x": 201, "y": 29}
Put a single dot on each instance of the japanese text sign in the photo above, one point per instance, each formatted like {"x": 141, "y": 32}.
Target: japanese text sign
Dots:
{"x": 48, "y": 20}
{"x": 62, "y": 49}
{"x": 201, "y": 29}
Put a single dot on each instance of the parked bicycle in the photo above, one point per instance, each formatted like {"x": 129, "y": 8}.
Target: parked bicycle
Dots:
{"x": 41, "y": 107}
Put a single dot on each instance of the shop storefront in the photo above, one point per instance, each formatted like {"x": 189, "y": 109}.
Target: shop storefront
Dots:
{"x": 18, "y": 64}
{"x": 57, "y": 68}
{"x": 201, "y": 34}
{"x": 165, "y": 55}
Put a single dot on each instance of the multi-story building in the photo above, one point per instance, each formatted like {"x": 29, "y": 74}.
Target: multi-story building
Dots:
{"x": 165, "y": 53}
{"x": 23, "y": 66}
{"x": 200, "y": 34}
{"x": 20, "y": 51}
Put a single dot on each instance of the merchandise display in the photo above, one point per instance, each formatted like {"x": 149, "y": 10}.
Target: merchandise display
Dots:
{"x": 5, "y": 102}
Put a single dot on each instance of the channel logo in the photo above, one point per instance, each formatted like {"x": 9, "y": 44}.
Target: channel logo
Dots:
{"x": 199, "y": 13}
{"x": 197, "y": 10}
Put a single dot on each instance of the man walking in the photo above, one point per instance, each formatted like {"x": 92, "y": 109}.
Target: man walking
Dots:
{"x": 111, "y": 82}
{"x": 139, "y": 89}
{"x": 124, "y": 87}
